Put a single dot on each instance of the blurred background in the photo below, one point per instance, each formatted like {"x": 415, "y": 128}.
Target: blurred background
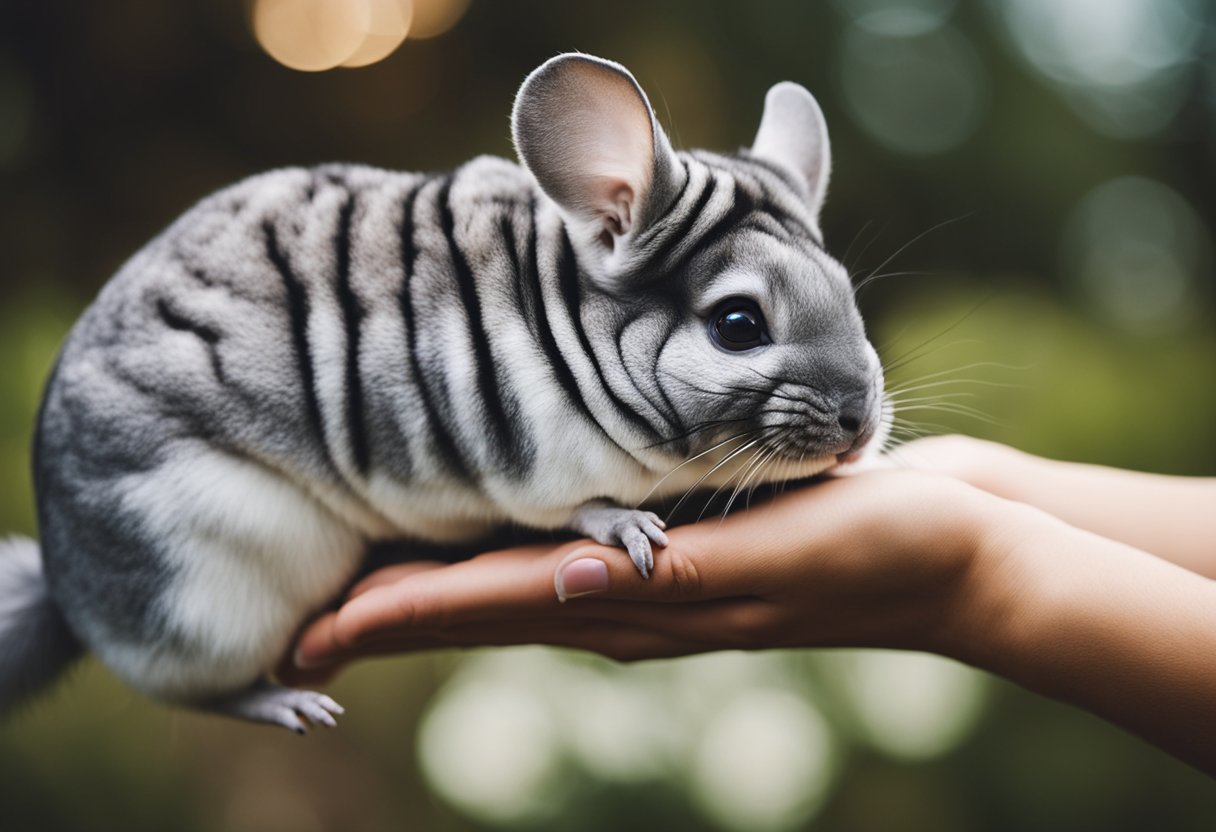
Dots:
{"x": 1038, "y": 175}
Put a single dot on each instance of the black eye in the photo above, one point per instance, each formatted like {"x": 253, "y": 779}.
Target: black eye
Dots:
{"x": 738, "y": 325}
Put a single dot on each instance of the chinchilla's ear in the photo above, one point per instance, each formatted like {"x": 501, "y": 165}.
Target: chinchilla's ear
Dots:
{"x": 794, "y": 135}
{"x": 586, "y": 131}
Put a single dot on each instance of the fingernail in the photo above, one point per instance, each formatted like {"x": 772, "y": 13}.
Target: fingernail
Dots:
{"x": 581, "y": 577}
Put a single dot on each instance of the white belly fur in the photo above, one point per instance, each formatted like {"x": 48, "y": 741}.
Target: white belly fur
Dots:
{"x": 252, "y": 554}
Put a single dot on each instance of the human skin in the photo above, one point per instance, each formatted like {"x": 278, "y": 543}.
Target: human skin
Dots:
{"x": 930, "y": 560}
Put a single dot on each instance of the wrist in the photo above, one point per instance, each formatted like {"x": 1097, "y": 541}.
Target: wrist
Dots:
{"x": 1001, "y": 584}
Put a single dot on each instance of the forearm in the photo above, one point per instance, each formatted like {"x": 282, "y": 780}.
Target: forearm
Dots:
{"x": 1107, "y": 628}
{"x": 1171, "y": 517}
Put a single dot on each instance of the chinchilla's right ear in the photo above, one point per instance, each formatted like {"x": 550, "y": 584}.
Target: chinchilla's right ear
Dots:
{"x": 794, "y": 135}
{"x": 587, "y": 132}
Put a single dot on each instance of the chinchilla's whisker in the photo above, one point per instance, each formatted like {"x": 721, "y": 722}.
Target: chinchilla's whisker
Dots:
{"x": 699, "y": 427}
{"x": 756, "y": 464}
{"x": 718, "y": 490}
{"x": 730, "y": 456}
{"x": 964, "y": 368}
{"x": 775, "y": 431}
{"x": 945, "y": 407}
{"x": 866, "y": 281}
{"x": 758, "y": 477}
{"x": 924, "y": 351}
{"x": 844, "y": 259}
{"x": 957, "y": 410}
{"x": 908, "y": 355}
{"x": 935, "y": 397}
{"x": 728, "y": 389}
{"x": 751, "y": 460}
{"x": 694, "y": 459}
{"x": 916, "y": 239}
{"x": 875, "y": 238}
{"x": 724, "y": 391}
{"x": 927, "y": 428}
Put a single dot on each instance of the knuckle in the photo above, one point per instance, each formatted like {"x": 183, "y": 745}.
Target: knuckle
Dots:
{"x": 418, "y": 612}
{"x": 684, "y": 578}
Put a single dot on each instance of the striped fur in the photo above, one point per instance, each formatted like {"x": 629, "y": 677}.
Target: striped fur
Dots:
{"x": 313, "y": 359}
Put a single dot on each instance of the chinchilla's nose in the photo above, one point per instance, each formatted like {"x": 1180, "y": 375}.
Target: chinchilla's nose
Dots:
{"x": 855, "y": 417}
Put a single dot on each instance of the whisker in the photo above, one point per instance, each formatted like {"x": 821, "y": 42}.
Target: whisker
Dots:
{"x": 756, "y": 469}
{"x": 936, "y": 397}
{"x": 916, "y": 239}
{"x": 974, "y": 365}
{"x": 872, "y": 240}
{"x": 719, "y": 489}
{"x": 694, "y": 459}
{"x": 912, "y": 387}
{"x": 706, "y": 425}
{"x": 730, "y": 456}
{"x": 866, "y": 281}
{"x": 924, "y": 350}
{"x": 957, "y": 410}
{"x": 905, "y": 358}
{"x": 844, "y": 258}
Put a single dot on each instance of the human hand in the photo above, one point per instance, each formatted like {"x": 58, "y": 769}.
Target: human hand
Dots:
{"x": 887, "y": 558}
{"x": 1168, "y": 516}
{"x": 899, "y": 558}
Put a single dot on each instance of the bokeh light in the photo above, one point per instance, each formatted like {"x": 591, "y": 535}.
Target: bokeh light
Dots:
{"x": 311, "y": 35}
{"x": 1135, "y": 248}
{"x": 612, "y": 727}
{"x": 316, "y": 35}
{"x": 489, "y": 744}
{"x": 765, "y": 762}
{"x": 387, "y": 25}
{"x": 434, "y": 17}
{"x": 913, "y": 705}
{"x": 1123, "y": 65}
{"x": 520, "y": 733}
{"x": 918, "y": 94}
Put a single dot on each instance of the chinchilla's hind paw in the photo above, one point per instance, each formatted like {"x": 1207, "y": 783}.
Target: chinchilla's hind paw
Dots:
{"x": 276, "y": 705}
{"x": 638, "y": 531}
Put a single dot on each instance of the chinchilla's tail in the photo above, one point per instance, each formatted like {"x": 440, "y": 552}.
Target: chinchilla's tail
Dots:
{"x": 35, "y": 642}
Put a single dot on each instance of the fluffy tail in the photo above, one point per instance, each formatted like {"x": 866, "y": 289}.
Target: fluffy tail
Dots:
{"x": 35, "y": 642}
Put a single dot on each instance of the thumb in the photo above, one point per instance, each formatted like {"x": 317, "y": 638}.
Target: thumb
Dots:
{"x": 606, "y": 572}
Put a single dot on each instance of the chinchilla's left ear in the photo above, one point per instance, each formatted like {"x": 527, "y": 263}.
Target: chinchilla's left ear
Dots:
{"x": 587, "y": 132}
{"x": 794, "y": 135}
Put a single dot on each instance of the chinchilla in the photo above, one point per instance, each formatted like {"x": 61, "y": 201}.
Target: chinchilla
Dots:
{"x": 313, "y": 360}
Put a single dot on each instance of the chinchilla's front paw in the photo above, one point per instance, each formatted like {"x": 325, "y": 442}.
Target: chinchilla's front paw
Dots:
{"x": 613, "y": 525}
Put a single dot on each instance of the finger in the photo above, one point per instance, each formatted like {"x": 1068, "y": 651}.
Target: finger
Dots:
{"x": 615, "y": 640}
{"x": 695, "y": 627}
{"x": 392, "y": 574}
{"x": 510, "y": 584}
{"x": 491, "y": 587}
{"x": 317, "y": 644}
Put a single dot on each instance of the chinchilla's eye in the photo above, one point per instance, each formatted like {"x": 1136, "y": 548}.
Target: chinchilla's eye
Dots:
{"x": 738, "y": 325}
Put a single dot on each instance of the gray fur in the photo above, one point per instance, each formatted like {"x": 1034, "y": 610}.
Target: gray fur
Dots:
{"x": 311, "y": 360}
{"x": 35, "y": 642}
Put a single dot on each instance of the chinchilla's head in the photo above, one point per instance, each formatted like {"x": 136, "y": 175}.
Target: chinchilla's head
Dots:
{"x": 706, "y": 273}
